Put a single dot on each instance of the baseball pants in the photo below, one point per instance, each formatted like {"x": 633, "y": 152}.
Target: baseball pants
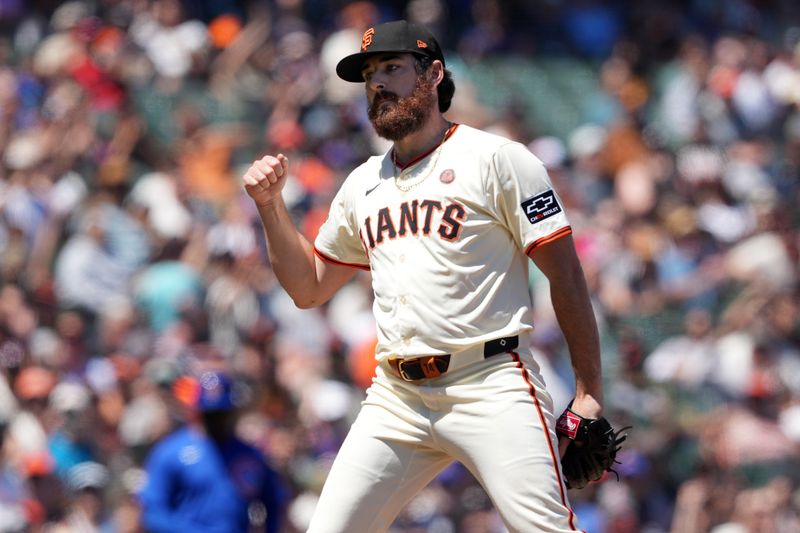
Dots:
{"x": 494, "y": 416}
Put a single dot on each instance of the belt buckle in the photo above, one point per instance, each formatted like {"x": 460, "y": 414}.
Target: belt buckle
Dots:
{"x": 402, "y": 372}
{"x": 429, "y": 368}
{"x": 427, "y": 365}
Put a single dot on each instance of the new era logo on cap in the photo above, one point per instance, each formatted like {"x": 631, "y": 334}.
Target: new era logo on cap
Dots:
{"x": 398, "y": 36}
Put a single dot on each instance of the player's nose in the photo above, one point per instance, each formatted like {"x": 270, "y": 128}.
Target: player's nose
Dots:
{"x": 376, "y": 84}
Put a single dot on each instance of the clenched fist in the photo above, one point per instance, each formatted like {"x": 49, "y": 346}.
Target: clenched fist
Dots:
{"x": 266, "y": 177}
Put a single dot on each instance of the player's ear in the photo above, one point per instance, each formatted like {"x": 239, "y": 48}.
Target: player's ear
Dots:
{"x": 436, "y": 72}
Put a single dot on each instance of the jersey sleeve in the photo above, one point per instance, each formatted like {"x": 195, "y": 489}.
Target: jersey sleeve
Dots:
{"x": 339, "y": 240}
{"x": 525, "y": 199}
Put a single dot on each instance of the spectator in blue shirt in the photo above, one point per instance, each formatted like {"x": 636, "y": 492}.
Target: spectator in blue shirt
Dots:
{"x": 203, "y": 478}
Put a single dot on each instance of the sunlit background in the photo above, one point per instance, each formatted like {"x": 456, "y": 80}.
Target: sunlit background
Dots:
{"x": 130, "y": 256}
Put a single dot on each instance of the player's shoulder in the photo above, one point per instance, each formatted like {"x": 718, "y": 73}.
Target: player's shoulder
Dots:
{"x": 173, "y": 442}
{"x": 486, "y": 139}
{"x": 244, "y": 453}
{"x": 245, "y": 448}
{"x": 363, "y": 176}
{"x": 366, "y": 170}
{"x": 485, "y": 142}
{"x": 505, "y": 156}
{"x": 185, "y": 434}
{"x": 371, "y": 165}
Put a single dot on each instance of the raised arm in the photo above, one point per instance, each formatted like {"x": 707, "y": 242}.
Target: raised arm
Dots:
{"x": 559, "y": 262}
{"x": 306, "y": 278}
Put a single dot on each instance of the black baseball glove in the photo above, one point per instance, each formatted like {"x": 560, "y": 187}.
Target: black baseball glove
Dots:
{"x": 593, "y": 448}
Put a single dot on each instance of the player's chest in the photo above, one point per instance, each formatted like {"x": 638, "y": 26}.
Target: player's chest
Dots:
{"x": 439, "y": 204}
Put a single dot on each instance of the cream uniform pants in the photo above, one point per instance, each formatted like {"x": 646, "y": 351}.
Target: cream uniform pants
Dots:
{"x": 494, "y": 416}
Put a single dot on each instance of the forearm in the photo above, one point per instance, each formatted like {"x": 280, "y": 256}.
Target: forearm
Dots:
{"x": 572, "y": 305}
{"x": 290, "y": 253}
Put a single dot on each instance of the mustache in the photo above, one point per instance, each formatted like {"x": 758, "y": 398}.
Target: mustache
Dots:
{"x": 375, "y": 108}
{"x": 384, "y": 96}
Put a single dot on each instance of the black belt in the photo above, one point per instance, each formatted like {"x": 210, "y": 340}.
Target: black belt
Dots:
{"x": 432, "y": 366}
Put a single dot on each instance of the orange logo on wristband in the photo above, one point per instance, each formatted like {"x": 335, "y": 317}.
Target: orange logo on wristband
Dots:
{"x": 366, "y": 40}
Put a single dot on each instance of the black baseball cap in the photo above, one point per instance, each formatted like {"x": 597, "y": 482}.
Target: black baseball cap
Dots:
{"x": 396, "y": 36}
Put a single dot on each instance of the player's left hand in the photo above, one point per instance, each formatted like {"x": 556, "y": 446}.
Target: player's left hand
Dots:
{"x": 591, "y": 447}
{"x": 585, "y": 406}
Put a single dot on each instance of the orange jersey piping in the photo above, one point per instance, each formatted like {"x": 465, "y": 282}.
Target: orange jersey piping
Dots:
{"x": 553, "y": 455}
{"x": 402, "y": 166}
{"x": 563, "y": 232}
{"x": 329, "y": 259}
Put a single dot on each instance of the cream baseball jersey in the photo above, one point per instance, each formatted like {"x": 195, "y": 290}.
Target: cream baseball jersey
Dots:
{"x": 446, "y": 239}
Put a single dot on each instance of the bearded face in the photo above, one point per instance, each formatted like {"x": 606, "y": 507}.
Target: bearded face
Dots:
{"x": 395, "y": 118}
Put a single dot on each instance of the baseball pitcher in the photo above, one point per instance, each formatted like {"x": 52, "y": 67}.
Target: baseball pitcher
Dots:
{"x": 445, "y": 222}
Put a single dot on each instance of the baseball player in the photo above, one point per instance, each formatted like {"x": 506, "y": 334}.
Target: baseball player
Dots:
{"x": 445, "y": 222}
{"x": 203, "y": 478}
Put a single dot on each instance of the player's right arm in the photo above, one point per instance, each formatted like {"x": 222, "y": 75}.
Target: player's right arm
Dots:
{"x": 306, "y": 278}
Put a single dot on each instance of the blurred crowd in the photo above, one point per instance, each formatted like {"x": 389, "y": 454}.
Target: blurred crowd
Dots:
{"x": 130, "y": 257}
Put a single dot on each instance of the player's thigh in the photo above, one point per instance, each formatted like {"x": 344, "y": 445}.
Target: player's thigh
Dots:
{"x": 384, "y": 461}
{"x": 512, "y": 450}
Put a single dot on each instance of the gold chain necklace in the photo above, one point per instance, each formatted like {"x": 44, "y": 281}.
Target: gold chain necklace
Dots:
{"x": 431, "y": 166}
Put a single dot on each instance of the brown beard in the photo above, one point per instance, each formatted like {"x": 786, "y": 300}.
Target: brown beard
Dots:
{"x": 395, "y": 118}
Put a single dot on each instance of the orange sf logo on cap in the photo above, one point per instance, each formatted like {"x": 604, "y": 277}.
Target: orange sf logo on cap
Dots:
{"x": 421, "y": 44}
{"x": 366, "y": 40}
